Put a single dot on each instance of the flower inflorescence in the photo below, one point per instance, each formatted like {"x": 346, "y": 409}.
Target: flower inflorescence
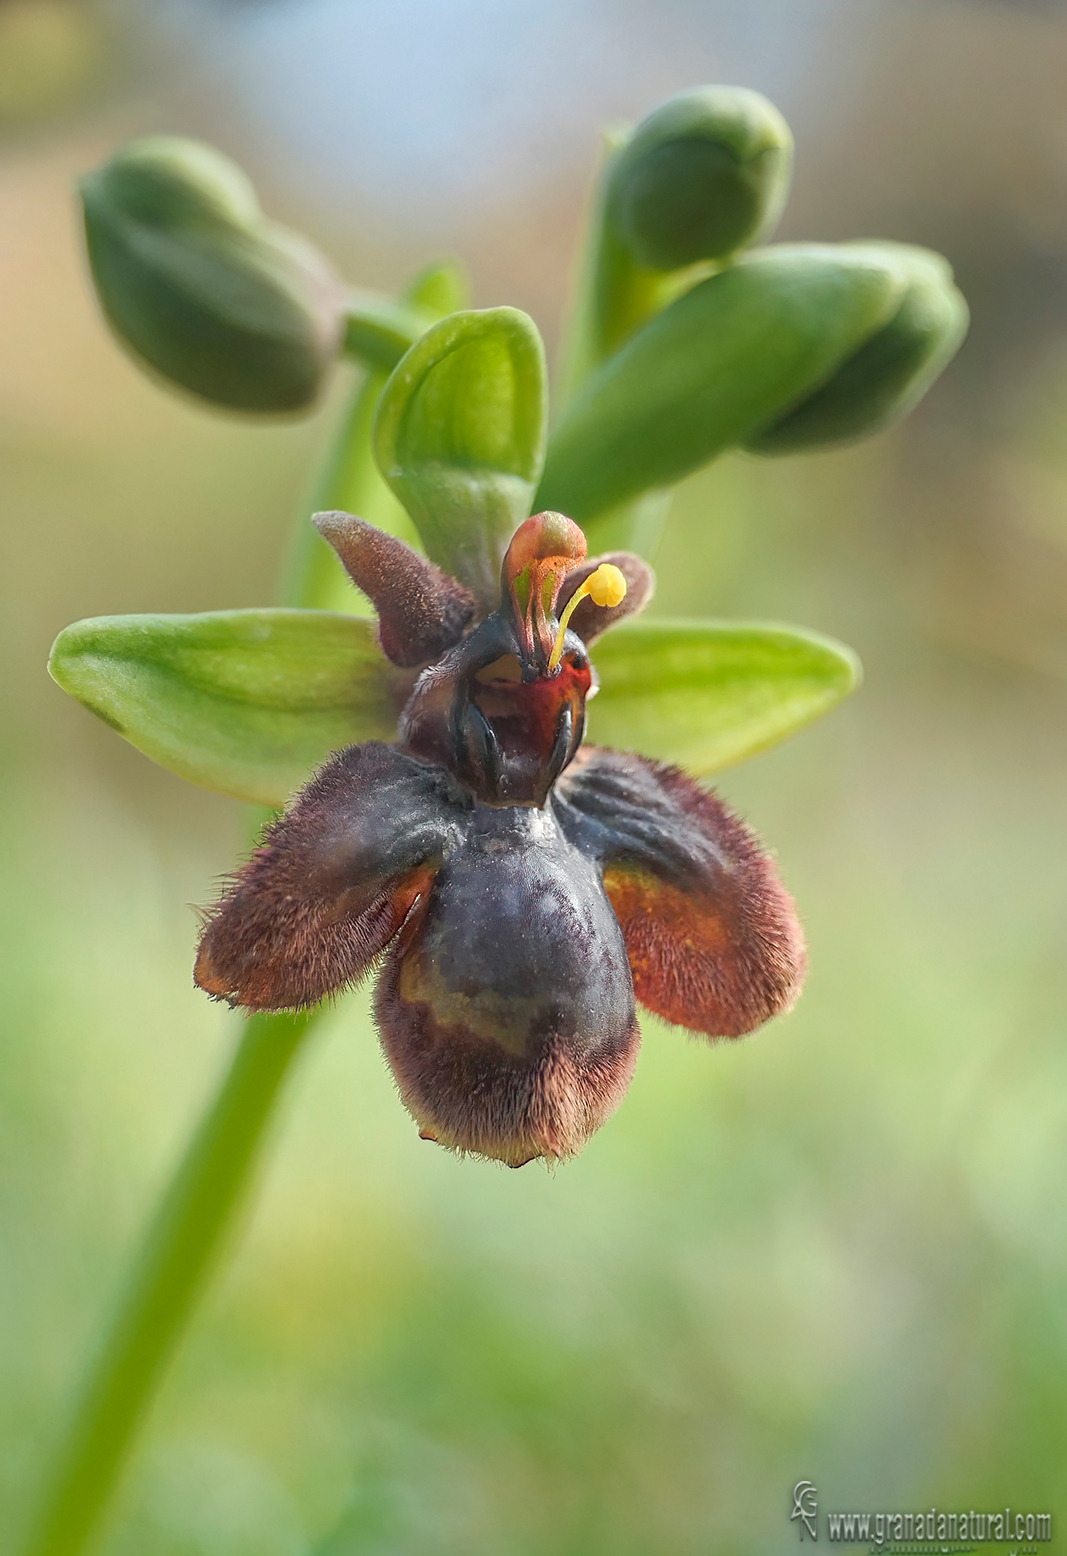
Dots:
{"x": 520, "y": 890}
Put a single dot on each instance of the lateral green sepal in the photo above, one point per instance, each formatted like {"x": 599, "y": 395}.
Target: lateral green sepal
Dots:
{"x": 247, "y": 702}
{"x": 708, "y": 694}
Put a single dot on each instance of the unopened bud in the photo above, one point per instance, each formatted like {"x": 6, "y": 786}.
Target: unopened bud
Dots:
{"x": 706, "y": 174}
{"x": 891, "y": 371}
{"x": 795, "y": 345}
{"x": 201, "y": 286}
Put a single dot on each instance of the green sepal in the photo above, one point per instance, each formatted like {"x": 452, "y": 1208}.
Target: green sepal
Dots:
{"x": 890, "y": 372}
{"x": 460, "y": 437}
{"x": 708, "y": 694}
{"x": 247, "y": 702}
{"x": 720, "y": 362}
{"x": 201, "y": 287}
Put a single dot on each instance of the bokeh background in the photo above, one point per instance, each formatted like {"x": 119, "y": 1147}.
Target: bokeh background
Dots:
{"x": 835, "y": 1251}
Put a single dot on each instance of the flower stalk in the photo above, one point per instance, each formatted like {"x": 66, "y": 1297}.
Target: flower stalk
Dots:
{"x": 168, "y": 1277}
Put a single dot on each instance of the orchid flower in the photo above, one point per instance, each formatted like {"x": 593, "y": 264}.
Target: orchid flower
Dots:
{"x": 523, "y": 890}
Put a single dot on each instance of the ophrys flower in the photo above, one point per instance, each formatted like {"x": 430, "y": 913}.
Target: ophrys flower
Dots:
{"x": 521, "y": 891}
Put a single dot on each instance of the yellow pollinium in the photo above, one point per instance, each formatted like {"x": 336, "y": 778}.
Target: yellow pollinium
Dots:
{"x": 604, "y": 586}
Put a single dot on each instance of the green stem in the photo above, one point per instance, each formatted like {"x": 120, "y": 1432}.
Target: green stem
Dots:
{"x": 165, "y": 1285}
{"x": 613, "y": 297}
{"x": 350, "y": 481}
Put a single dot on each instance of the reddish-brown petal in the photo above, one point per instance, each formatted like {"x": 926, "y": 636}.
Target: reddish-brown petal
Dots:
{"x": 421, "y": 610}
{"x": 331, "y": 884}
{"x": 711, "y": 933}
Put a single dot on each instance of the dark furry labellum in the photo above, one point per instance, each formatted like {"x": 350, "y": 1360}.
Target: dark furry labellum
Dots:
{"x": 524, "y": 893}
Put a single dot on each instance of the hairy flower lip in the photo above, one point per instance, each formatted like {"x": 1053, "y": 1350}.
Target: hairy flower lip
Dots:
{"x": 503, "y": 1038}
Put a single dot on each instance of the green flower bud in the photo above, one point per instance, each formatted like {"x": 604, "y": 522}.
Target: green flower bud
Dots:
{"x": 733, "y": 358}
{"x": 890, "y": 372}
{"x": 201, "y": 286}
{"x": 706, "y": 174}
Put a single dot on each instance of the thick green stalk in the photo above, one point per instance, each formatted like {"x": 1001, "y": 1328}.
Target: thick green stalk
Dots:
{"x": 174, "y": 1264}
{"x": 349, "y": 481}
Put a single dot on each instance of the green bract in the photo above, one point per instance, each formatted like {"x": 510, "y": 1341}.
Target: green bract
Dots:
{"x": 460, "y": 437}
{"x": 743, "y": 348}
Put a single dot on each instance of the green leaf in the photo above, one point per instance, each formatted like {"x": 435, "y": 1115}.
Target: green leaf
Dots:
{"x": 247, "y": 702}
{"x": 707, "y": 694}
{"x": 460, "y": 438}
{"x": 721, "y": 361}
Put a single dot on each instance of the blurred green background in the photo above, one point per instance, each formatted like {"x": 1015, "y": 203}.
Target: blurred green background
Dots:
{"x": 834, "y": 1251}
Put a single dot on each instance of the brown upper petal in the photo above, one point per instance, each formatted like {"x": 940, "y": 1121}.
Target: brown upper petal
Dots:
{"x": 422, "y": 611}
